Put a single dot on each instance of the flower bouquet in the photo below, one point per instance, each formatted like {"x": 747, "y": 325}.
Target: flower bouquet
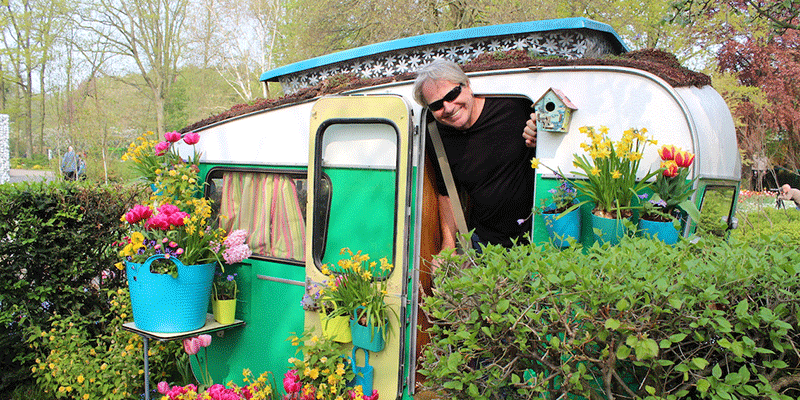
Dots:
{"x": 358, "y": 293}
{"x": 672, "y": 190}
{"x": 610, "y": 171}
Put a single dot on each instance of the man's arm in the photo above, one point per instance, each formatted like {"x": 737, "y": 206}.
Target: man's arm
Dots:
{"x": 447, "y": 223}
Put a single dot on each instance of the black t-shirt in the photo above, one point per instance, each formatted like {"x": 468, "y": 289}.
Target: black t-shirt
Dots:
{"x": 492, "y": 164}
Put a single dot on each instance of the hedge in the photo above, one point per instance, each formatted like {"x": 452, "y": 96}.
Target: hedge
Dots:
{"x": 703, "y": 319}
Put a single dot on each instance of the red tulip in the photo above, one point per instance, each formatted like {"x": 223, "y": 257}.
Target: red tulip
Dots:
{"x": 667, "y": 152}
{"x": 684, "y": 159}
{"x": 670, "y": 168}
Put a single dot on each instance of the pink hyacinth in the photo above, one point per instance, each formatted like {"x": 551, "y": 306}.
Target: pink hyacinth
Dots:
{"x": 161, "y": 148}
{"x": 236, "y": 238}
{"x": 172, "y": 137}
{"x": 163, "y": 387}
{"x": 138, "y": 213}
{"x": 191, "y": 138}
{"x": 236, "y": 254}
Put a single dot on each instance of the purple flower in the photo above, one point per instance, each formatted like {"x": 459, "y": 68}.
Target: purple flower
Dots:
{"x": 642, "y": 196}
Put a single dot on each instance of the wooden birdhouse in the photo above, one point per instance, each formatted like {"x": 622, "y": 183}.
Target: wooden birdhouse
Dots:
{"x": 553, "y": 111}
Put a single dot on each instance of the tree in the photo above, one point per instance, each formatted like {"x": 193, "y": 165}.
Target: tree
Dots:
{"x": 150, "y": 33}
{"x": 771, "y": 64}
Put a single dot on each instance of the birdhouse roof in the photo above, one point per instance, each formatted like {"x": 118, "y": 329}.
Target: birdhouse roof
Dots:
{"x": 561, "y": 96}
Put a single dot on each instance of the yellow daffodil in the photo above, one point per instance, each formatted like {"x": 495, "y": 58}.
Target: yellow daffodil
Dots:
{"x": 616, "y": 174}
{"x": 534, "y": 163}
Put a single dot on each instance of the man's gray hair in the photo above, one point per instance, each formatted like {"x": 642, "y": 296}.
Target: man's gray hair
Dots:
{"x": 438, "y": 70}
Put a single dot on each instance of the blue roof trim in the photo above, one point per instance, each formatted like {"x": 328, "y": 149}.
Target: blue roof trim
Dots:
{"x": 442, "y": 37}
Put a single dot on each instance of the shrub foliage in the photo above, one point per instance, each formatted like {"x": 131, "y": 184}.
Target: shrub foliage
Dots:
{"x": 710, "y": 319}
{"x": 55, "y": 260}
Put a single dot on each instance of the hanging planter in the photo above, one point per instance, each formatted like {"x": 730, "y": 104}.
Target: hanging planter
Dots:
{"x": 367, "y": 336}
{"x": 658, "y": 230}
{"x": 335, "y": 328}
{"x": 608, "y": 230}
{"x": 166, "y": 304}
{"x": 564, "y": 228}
{"x": 364, "y": 375}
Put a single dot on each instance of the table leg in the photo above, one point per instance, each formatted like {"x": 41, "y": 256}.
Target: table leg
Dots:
{"x": 146, "y": 369}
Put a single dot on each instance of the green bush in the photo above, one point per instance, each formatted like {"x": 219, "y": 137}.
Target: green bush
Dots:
{"x": 55, "y": 260}
{"x": 770, "y": 221}
{"x": 74, "y": 365}
{"x": 710, "y": 319}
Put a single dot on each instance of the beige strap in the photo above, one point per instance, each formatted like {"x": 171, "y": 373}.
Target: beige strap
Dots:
{"x": 452, "y": 192}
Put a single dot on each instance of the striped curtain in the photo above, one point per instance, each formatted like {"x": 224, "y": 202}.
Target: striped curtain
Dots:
{"x": 267, "y": 207}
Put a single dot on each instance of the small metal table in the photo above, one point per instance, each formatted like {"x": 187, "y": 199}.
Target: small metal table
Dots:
{"x": 211, "y": 326}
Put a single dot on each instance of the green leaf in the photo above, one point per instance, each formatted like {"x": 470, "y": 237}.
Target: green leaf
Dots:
{"x": 502, "y": 305}
{"x": 623, "y": 305}
{"x": 700, "y": 363}
{"x": 612, "y": 324}
{"x": 716, "y": 371}
{"x": 703, "y": 385}
{"x": 623, "y": 352}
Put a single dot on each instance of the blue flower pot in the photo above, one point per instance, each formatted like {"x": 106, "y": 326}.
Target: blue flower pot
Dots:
{"x": 608, "y": 230}
{"x": 663, "y": 231}
{"x": 561, "y": 229}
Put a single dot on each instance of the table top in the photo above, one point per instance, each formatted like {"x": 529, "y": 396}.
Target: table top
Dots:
{"x": 211, "y": 326}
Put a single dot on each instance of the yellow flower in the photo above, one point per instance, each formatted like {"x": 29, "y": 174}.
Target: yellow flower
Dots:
{"x": 616, "y": 174}
{"x": 314, "y": 374}
{"x": 81, "y": 379}
{"x": 595, "y": 171}
{"x": 534, "y": 163}
{"x": 634, "y": 156}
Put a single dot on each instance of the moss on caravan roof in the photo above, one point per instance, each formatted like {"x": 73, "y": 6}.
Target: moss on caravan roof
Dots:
{"x": 574, "y": 41}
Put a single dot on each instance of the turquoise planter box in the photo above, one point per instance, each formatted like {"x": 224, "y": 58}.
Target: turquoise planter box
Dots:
{"x": 663, "y": 231}
{"x": 165, "y": 304}
{"x": 608, "y": 230}
{"x": 564, "y": 228}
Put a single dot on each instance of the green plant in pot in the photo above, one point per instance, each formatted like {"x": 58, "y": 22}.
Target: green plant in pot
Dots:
{"x": 358, "y": 286}
{"x": 610, "y": 171}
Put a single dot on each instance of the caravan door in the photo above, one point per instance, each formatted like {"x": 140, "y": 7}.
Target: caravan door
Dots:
{"x": 359, "y": 194}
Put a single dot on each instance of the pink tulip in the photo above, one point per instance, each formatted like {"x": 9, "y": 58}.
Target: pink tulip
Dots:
{"x": 204, "y": 340}
{"x": 161, "y": 148}
{"x": 172, "y": 137}
{"x": 191, "y": 138}
{"x": 191, "y": 346}
{"x": 138, "y": 213}
{"x": 168, "y": 209}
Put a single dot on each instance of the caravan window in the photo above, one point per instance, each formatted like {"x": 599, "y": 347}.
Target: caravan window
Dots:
{"x": 716, "y": 209}
{"x": 270, "y": 205}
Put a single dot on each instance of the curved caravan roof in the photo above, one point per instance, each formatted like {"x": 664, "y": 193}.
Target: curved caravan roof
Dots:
{"x": 569, "y": 38}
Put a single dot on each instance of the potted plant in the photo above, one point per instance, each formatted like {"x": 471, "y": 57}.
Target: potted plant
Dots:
{"x": 560, "y": 226}
{"x": 610, "y": 180}
{"x": 324, "y": 372}
{"x": 358, "y": 287}
{"x": 172, "y": 247}
{"x": 672, "y": 192}
{"x": 223, "y": 300}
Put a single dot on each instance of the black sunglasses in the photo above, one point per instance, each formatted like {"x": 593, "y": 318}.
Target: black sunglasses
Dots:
{"x": 450, "y": 96}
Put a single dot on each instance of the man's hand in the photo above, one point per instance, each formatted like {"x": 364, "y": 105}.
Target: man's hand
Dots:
{"x": 529, "y": 133}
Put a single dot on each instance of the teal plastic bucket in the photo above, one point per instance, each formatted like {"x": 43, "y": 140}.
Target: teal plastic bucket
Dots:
{"x": 165, "y": 304}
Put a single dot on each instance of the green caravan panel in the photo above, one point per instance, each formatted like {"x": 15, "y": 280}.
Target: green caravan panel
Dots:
{"x": 271, "y": 311}
{"x": 362, "y": 213}
{"x": 362, "y": 144}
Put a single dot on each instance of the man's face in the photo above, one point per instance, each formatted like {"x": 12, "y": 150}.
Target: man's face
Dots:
{"x": 458, "y": 113}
